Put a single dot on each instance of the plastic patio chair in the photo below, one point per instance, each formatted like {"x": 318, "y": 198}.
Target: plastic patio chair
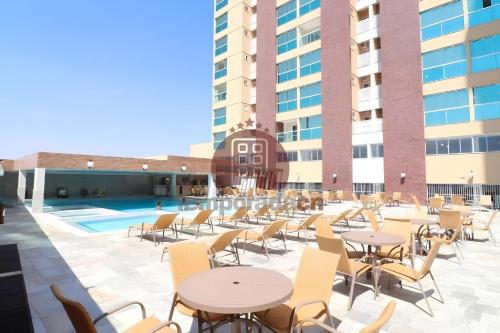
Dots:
{"x": 311, "y": 293}
{"x": 303, "y": 226}
{"x": 202, "y": 217}
{"x": 83, "y": 323}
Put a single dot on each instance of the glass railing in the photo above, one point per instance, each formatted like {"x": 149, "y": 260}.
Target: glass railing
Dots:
{"x": 484, "y": 15}
{"x": 311, "y": 133}
{"x": 289, "y": 136}
{"x": 310, "y": 37}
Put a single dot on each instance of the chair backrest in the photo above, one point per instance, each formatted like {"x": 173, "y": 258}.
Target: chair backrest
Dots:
{"x": 79, "y": 317}
{"x": 436, "y": 202}
{"x": 240, "y": 213}
{"x": 457, "y": 200}
{"x": 340, "y": 194}
{"x": 202, "y": 216}
{"x": 336, "y": 245}
{"x": 492, "y": 217}
{"x": 355, "y": 213}
{"x": 250, "y": 192}
{"x": 186, "y": 259}
{"x": 416, "y": 201}
{"x": 365, "y": 199}
{"x": 429, "y": 259}
{"x": 165, "y": 221}
{"x": 485, "y": 200}
{"x": 323, "y": 228}
{"x": 263, "y": 210}
{"x": 450, "y": 219}
{"x": 401, "y": 227}
{"x": 224, "y": 239}
{"x": 396, "y": 196}
{"x": 309, "y": 221}
{"x": 384, "y": 317}
{"x": 370, "y": 215}
{"x": 273, "y": 228}
{"x": 315, "y": 276}
{"x": 354, "y": 197}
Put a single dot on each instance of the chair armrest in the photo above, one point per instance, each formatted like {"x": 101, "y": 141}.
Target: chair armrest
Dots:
{"x": 316, "y": 322}
{"x": 166, "y": 324}
{"x": 120, "y": 307}
{"x": 299, "y": 305}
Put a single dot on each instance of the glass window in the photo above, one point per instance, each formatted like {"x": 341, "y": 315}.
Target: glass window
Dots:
{"x": 310, "y": 63}
{"x": 441, "y": 20}
{"x": 219, "y": 4}
{"x": 487, "y": 102}
{"x": 286, "y": 41}
{"x": 220, "y": 69}
{"x": 286, "y": 100}
{"x": 483, "y": 11}
{"x": 310, "y": 95}
{"x": 442, "y": 147}
{"x": 221, "y": 45}
{"x": 311, "y": 155}
{"x": 444, "y": 63}
{"x": 219, "y": 116}
{"x": 480, "y": 144}
{"x": 221, "y": 23}
{"x": 493, "y": 143}
{"x": 359, "y": 151}
{"x": 287, "y": 70}
{"x": 286, "y": 12}
{"x": 376, "y": 150}
{"x": 454, "y": 146}
{"x": 446, "y": 108}
{"x": 485, "y": 54}
{"x": 220, "y": 93}
{"x": 466, "y": 145}
{"x": 219, "y": 138}
{"x": 311, "y": 128}
{"x": 430, "y": 147}
{"x": 308, "y": 5}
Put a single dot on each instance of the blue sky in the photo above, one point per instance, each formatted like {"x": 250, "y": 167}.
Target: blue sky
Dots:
{"x": 113, "y": 77}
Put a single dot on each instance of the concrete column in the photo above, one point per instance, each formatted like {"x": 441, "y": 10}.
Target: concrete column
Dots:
{"x": 212, "y": 188}
{"x": 38, "y": 191}
{"x": 371, "y": 15}
{"x": 173, "y": 185}
{"x": 372, "y": 51}
{"x": 21, "y": 186}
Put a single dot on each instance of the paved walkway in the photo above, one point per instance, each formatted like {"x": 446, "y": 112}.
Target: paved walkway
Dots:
{"x": 102, "y": 270}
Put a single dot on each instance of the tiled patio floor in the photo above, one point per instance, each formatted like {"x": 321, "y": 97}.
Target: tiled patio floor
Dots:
{"x": 102, "y": 270}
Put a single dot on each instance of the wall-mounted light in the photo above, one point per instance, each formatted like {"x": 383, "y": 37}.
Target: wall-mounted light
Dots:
{"x": 90, "y": 165}
{"x": 403, "y": 175}
{"x": 145, "y": 167}
{"x": 183, "y": 168}
{"x": 334, "y": 177}
{"x": 472, "y": 174}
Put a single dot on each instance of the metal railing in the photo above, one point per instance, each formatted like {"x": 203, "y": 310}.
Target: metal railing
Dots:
{"x": 470, "y": 192}
{"x": 367, "y": 188}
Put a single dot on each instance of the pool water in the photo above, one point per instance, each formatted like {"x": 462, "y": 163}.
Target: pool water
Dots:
{"x": 114, "y": 214}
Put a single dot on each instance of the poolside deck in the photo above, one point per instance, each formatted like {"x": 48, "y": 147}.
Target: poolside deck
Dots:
{"x": 101, "y": 270}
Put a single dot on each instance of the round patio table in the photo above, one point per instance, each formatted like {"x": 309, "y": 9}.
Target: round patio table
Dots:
{"x": 373, "y": 238}
{"x": 234, "y": 291}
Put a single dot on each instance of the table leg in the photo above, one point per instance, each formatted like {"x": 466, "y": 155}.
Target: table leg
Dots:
{"x": 375, "y": 274}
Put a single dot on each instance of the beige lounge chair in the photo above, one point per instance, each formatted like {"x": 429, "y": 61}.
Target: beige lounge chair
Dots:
{"x": 396, "y": 199}
{"x": 350, "y": 268}
{"x": 202, "y": 217}
{"x": 338, "y": 219}
{"x": 354, "y": 214}
{"x": 260, "y": 213}
{"x": 187, "y": 259}
{"x": 162, "y": 224}
{"x": 483, "y": 227}
{"x": 267, "y": 233}
{"x": 303, "y": 225}
{"x": 284, "y": 208}
{"x": 366, "y": 201}
{"x": 374, "y": 327}
{"x": 224, "y": 243}
{"x": 83, "y": 323}
{"x": 239, "y": 215}
{"x": 311, "y": 293}
{"x": 406, "y": 272}
{"x": 372, "y": 218}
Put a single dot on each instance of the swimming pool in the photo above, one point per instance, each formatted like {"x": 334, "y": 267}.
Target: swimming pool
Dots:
{"x": 115, "y": 214}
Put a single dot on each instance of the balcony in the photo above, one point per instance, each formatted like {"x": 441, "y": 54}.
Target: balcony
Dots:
{"x": 362, "y": 4}
{"x": 310, "y": 37}
{"x": 367, "y": 126}
{"x": 309, "y": 32}
{"x": 253, "y": 71}
{"x": 367, "y": 29}
{"x": 369, "y": 98}
{"x": 253, "y": 96}
{"x": 253, "y": 22}
{"x": 368, "y": 64}
{"x": 290, "y": 136}
{"x": 253, "y": 46}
